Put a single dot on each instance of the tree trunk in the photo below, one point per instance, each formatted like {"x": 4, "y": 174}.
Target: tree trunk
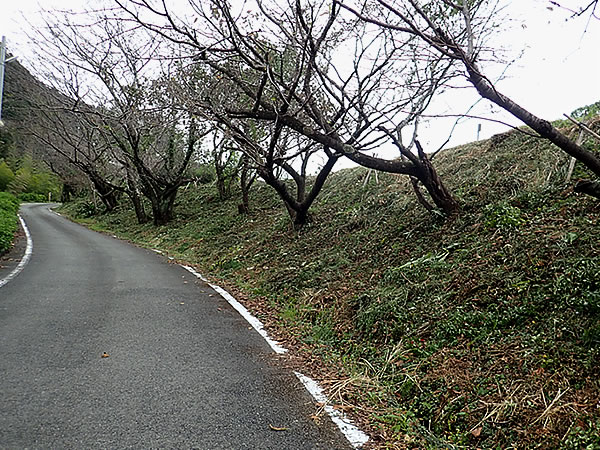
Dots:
{"x": 246, "y": 181}
{"x": 542, "y": 127}
{"x": 301, "y": 217}
{"x": 442, "y": 198}
{"x": 221, "y": 187}
{"x": 162, "y": 207}
{"x": 132, "y": 191}
{"x": 428, "y": 176}
{"x": 109, "y": 200}
{"x": 588, "y": 187}
{"x": 420, "y": 197}
{"x": 65, "y": 195}
{"x": 244, "y": 207}
{"x": 138, "y": 206}
{"x": 107, "y": 194}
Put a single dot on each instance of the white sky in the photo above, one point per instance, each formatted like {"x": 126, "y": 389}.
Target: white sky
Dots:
{"x": 559, "y": 70}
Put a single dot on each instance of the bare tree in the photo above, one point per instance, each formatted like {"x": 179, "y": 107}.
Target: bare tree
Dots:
{"x": 304, "y": 66}
{"x": 112, "y": 79}
{"x": 273, "y": 152}
{"x": 283, "y": 157}
{"x": 225, "y": 160}
{"x": 453, "y": 29}
{"x": 230, "y": 165}
{"x": 66, "y": 137}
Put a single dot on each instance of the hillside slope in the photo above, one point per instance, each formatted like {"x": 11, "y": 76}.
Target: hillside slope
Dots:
{"x": 483, "y": 331}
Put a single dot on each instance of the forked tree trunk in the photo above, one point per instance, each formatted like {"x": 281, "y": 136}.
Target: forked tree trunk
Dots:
{"x": 428, "y": 176}
{"x": 109, "y": 200}
{"x": 301, "y": 218}
{"x": 299, "y": 205}
{"x": 108, "y": 195}
{"x": 298, "y": 214}
{"x": 162, "y": 207}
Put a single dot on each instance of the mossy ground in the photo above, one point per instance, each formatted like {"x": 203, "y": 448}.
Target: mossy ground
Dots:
{"x": 482, "y": 331}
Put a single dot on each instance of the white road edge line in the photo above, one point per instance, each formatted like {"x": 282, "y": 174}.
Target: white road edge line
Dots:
{"x": 26, "y": 256}
{"x": 355, "y": 436}
{"x": 256, "y": 324}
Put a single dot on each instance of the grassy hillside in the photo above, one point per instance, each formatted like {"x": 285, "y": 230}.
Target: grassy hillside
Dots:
{"x": 481, "y": 332}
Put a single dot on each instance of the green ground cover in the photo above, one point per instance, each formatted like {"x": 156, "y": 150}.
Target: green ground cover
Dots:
{"x": 9, "y": 206}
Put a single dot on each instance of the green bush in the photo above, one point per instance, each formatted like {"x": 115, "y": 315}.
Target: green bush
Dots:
{"x": 9, "y": 206}
{"x": 9, "y": 202}
{"x": 86, "y": 210}
{"x": 42, "y": 183}
{"x": 587, "y": 112}
{"x": 503, "y": 216}
{"x": 205, "y": 174}
{"x": 6, "y": 175}
{"x": 31, "y": 197}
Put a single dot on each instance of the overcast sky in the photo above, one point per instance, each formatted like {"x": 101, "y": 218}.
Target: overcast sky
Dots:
{"x": 559, "y": 70}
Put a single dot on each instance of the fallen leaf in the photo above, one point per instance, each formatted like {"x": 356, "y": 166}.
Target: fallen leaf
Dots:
{"x": 477, "y": 431}
{"x": 277, "y": 428}
{"x": 105, "y": 355}
{"x": 181, "y": 303}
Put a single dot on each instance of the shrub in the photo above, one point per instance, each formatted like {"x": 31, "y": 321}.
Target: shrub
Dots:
{"x": 86, "y": 210}
{"x": 205, "y": 174}
{"x": 587, "y": 112}
{"x": 503, "y": 216}
{"x": 9, "y": 206}
{"x": 31, "y": 197}
{"x": 43, "y": 183}
{"x": 8, "y": 202}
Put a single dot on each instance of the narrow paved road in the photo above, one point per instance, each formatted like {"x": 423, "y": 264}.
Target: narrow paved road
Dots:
{"x": 183, "y": 371}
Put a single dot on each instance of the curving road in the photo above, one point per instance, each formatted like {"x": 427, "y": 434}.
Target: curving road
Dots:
{"x": 183, "y": 369}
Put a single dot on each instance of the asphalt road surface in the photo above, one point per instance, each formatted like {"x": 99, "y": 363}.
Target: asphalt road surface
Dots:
{"x": 183, "y": 368}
